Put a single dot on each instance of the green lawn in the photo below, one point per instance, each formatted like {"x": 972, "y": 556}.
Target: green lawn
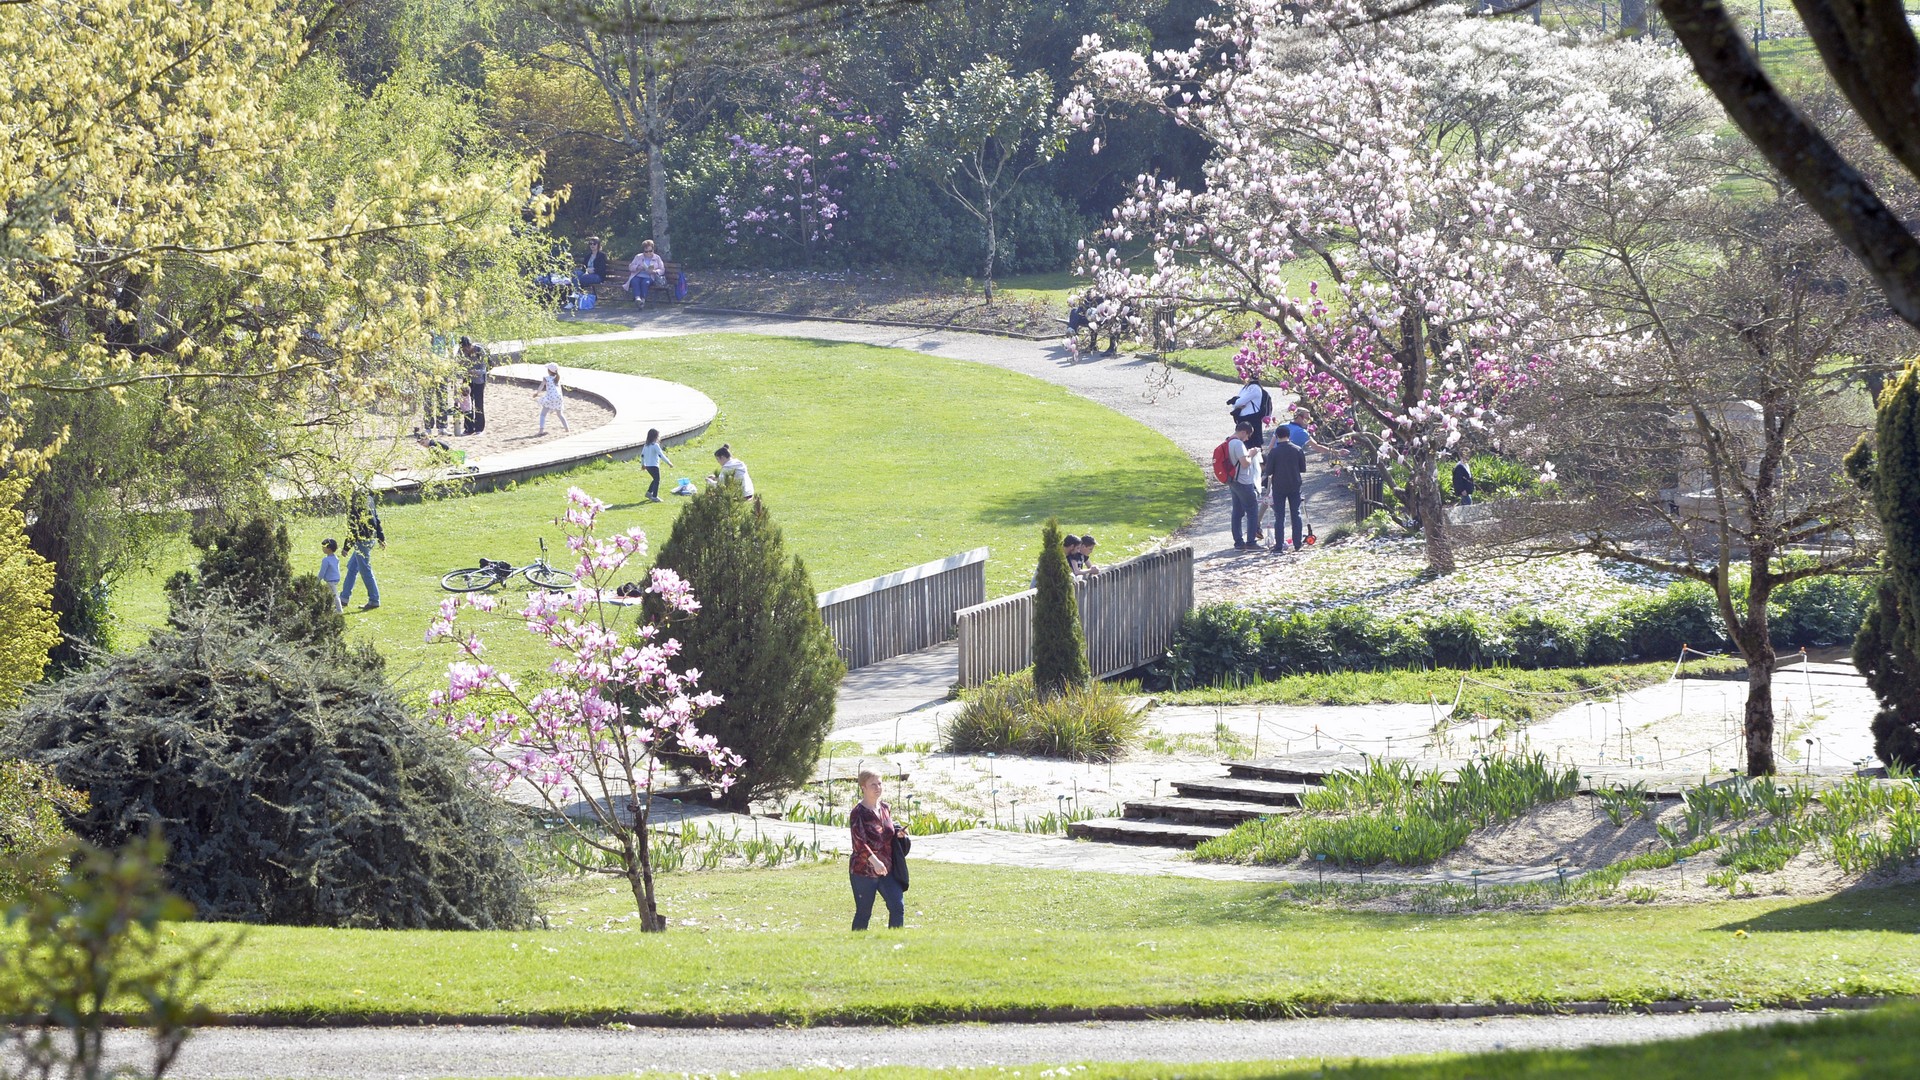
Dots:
{"x": 1882, "y": 1043}
{"x": 870, "y": 459}
{"x": 983, "y": 940}
{"x": 1513, "y": 698}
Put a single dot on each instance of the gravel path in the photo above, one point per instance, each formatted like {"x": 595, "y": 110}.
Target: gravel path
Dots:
{"x": 505, "y": 1051}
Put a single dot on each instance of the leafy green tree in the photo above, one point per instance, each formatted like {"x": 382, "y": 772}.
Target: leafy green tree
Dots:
{"x": 1887, "y": 649}
{"x": 28, "y": 628}
{"x": 758, "y": 640}
{"x": 34, "y": 807}
{"x": 220, "y": 259}
{"x": 978, "y": 134}
{"x": 1059, "y": 648}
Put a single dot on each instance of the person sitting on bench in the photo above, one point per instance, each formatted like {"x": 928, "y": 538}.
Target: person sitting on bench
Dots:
{"x": 647, "y": 270}
{"x": 594, "y": 270}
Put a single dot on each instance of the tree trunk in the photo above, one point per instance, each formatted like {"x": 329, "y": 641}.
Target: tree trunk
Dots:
{"x": 1423, "y": 491}
{"x": 657, "y": 197}
{"x": 993, "y": 244}
{"x": 639, "y": 867}
{"x": 1633, "y": 17}
{"x": 1759, "y": 718}
{"x": 654, "y": 126}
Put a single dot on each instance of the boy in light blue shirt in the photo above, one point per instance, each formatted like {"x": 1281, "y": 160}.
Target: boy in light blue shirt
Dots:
{"x": 330, "y": 570}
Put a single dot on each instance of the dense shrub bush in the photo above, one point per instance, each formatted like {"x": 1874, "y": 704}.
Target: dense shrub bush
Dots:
{"x": 1221, "y": 644}
{"x": 1538, "y": 639}
{"x": 758, "y": 641}
{"x": 291, "y": 783}
{"x": 1089, "y": 722}
{"x": 1819, "y": 611}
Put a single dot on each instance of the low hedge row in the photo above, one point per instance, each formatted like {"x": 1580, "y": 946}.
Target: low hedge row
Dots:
{"x": 1223, "y": 644}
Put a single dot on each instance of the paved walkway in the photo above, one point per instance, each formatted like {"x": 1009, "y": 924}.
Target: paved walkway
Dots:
{"x": 216, "y": 1054}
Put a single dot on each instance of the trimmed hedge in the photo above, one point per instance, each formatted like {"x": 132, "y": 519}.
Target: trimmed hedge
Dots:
{"x": 1224, "y": 644}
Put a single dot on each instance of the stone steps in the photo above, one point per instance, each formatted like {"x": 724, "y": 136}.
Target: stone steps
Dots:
{"x": 1190, "y": 811}
{"x": 1236, "y": 789}
{"x": 1134, "y": 831}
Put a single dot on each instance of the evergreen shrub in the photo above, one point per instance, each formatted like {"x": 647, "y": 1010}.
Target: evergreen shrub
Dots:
{"x": 1887, "y": 650}
{"x": 290, "y": 781}
{"x": 1059, "y": 648}
{"x": 758, "y": 641}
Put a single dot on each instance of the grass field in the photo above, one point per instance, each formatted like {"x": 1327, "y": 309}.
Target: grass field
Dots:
{"x": 986, "y": 940}
{"x": 1512, "y": 699}
{"x": 870, "y": 459}
{"x": 1882, "y": 1043}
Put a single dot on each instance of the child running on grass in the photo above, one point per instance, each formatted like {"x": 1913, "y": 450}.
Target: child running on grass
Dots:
{"x": 651, "y": 456}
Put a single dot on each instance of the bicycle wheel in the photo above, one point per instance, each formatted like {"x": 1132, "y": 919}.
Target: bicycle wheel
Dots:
{"x": 548, "y": 578}
{"x": 473, "y": 580}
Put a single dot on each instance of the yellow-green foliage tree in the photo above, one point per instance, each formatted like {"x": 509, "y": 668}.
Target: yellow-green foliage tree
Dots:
{"x": 27, "y": 626}
{"x": 242, "y": 255}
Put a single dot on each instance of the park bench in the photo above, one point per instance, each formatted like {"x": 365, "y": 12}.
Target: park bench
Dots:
{"x": 614, "y": 291}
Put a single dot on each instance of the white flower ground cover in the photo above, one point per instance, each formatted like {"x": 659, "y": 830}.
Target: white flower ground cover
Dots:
{"x": 1389, "y": 577}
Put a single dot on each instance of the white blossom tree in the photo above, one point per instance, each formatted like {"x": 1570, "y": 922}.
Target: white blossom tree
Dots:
{"x": 1416, "y": 162}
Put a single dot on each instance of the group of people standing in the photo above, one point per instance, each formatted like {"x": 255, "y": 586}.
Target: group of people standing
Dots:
{"x": 1256, "y": 463}
{"x": 468, "y": 414}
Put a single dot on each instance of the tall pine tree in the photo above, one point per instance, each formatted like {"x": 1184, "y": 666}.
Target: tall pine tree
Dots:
{"x": 1887, "y": 650}
{"x": 758, "y": 641}
{"x": 1059, "y": 648}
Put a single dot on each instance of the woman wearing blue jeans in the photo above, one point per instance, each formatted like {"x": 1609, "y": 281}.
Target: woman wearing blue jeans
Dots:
{"x": 873, "y": 833}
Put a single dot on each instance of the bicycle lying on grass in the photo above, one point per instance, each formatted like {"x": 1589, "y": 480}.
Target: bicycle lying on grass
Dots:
{"x": 495, "y": 572}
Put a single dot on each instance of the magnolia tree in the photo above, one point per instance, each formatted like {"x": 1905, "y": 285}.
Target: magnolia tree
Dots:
{"x": 796, "y": 161}
{"x": 1405, "y": 161}
{"x": 590, "y": 741}
{"x": 977, "y": 134}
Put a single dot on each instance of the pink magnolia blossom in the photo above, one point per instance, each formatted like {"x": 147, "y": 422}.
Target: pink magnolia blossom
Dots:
{"x": 589, "y": 742}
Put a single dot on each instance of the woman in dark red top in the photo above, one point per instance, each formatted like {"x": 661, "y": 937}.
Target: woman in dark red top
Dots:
{"x": 873, "y": 833}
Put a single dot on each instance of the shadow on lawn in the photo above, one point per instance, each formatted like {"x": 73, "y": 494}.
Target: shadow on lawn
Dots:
{"x": 1108, "y": 499}
{"x": 1862, "y": 907}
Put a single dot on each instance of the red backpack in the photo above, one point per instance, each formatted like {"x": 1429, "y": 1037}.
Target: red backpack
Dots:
{"x": 1223, "y": 469}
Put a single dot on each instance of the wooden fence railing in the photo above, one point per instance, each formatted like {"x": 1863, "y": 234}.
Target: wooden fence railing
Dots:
{"x": 1128, "y": 611}
{"x": 905, "y": 611}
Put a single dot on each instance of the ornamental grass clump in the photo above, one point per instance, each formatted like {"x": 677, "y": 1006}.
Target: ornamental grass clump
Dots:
{"x": 1092, "y": 722}
{"x": 1391, "y": 812}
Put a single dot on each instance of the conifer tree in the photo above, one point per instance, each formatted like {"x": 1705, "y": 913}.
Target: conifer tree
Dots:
{"x": 1887, "y": 650}
{"x": 1059, "y": 648}
{"x": 249, "y": 567}
{"x": 758, "y": 641}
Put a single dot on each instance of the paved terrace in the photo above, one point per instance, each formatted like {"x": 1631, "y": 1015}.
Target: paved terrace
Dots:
{"x": 638, "y": 403}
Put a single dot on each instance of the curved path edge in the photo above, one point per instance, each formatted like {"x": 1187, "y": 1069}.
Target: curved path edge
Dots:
{"x": 469, "y": 1051}
{"x": 638, "y": 403}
